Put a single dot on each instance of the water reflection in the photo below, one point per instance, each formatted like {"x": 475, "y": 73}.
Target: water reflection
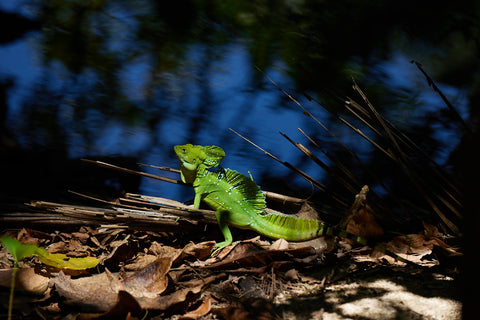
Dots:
{"x": 132, "y": 78}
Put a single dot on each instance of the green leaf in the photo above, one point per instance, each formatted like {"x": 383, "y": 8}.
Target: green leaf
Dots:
{"x": 18, "y": 250}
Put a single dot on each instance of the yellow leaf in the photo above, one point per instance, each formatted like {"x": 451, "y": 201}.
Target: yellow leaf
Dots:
{"x": 60, "y": 260}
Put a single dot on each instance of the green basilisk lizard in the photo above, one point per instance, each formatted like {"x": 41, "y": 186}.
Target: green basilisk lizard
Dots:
{"x": 238, "y": 201}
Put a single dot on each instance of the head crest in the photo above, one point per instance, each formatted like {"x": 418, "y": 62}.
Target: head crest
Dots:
{"x": 213, "y": 156}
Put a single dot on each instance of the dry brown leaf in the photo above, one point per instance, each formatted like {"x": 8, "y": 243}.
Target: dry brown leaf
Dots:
{"x": 140, "y": 262}
{"x": 57, "y": 247}
{"x": 320, "y": 244}
{"x": 292, "y": 275}
{"x": 125, "y": 307}
{"x": 99, "y": 292}
{"x": 224, "y": 252}
{"x": 413, "y": 247}
{"x": 155, "y": 251}
{"x": 199, "y": 251}
{"x": 202, "y": 310}
{"x": 27, "y": 236}
{"x": 363, "y": 224}
{"x": 122, "y": 251}
{"x": 82, "y": 236}
{"x": 26, "y": 279}
{"x": 360, "y": 219}
{"x": 410, "y": 244}
{"x": 249, "y": 257}
{"x": 280, "y": 244}
{"x": 242, "y": 251}
{"x": 74, "y": 247}
{"x": 161, "y": 250}
{"x": 431, "y": 231}
{"x": 168, "y": 301}
{"x": 95, "y": 293}
{"x": 150, "y": 281}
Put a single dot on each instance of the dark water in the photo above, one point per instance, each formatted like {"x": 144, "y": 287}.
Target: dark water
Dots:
{"x": 129, "y": 79}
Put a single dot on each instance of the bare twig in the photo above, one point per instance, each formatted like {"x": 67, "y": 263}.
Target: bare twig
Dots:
{"x": 286, "y": 164}
{"x": 140, "y": 173}
{"x": 278, "y": 197}
{"x": 324, "y": 166}
{"x": 307, "y": 113}
{"x": 299, "y": 172}
{"x": 159, "y": 168}
{"x": 133, "y": 218}
{"x": 430, "y": 182}
{"x": 157, "y": 207}
{"x": 407, "y": 165}
{"x": 444, "y": 98}
{"x": 434, "y": 176}
{"x": 337, "y": 163}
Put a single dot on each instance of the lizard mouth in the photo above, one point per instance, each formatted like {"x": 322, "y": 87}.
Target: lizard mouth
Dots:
{"x": 189, "y": 166}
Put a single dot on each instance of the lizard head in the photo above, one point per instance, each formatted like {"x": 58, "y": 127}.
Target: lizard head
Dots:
{"x": 192, "y": 156}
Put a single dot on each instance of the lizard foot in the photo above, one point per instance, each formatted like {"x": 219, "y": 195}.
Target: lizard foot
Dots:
{"x": 219, "y": 246}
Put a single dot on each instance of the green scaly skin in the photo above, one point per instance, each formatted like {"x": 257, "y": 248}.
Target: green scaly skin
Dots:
{"x": 239, "y": 202}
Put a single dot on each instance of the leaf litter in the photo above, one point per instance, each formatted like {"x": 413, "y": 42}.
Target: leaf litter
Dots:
{"x": 151, "y": 275}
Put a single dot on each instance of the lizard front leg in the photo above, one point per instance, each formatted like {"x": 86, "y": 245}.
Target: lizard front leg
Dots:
{"x": 197, "y": 199}
{"x": 220, "y": 215}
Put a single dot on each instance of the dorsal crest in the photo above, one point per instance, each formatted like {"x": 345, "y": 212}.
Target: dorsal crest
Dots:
{"x": 238, "y": 185}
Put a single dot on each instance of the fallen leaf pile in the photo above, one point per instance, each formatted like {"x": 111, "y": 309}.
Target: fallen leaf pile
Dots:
{"x": 137, "y": 274}
{"x": 146, "y": 275}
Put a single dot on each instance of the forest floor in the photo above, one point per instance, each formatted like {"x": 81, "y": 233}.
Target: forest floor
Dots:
{"x": 252, "y": 279}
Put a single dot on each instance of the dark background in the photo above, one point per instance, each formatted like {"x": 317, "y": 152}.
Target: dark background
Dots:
{"x": 124, "y": 81}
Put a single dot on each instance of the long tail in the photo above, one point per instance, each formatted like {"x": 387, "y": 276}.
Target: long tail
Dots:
{"x": 291, "y": 228}
{"x": 297, "y": 229}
